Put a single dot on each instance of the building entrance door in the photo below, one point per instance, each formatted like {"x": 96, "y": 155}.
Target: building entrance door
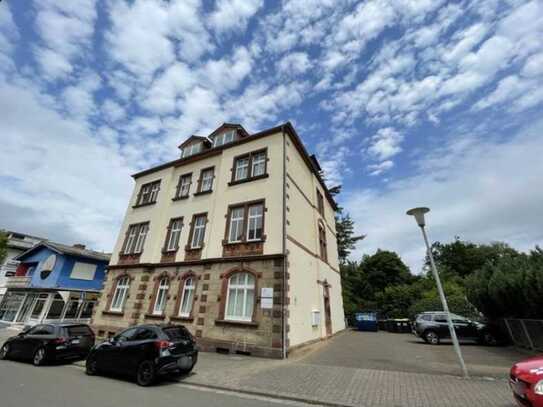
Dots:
{"x": 327, "y": 312}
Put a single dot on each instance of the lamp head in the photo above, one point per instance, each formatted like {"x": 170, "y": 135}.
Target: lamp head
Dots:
{"x": 418, "y": 213}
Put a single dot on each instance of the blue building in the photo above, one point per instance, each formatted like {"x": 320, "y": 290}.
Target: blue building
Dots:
{"x": 54, "y": 282}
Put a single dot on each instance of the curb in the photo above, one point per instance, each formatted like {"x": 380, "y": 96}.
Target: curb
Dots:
{"x": 280, "y": 396}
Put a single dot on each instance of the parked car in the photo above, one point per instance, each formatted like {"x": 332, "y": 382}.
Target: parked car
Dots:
{"x": 49, "y": 342}
{"x": 432, "y": 327}
{"x": 145, "y": 352}
{"x": 526, "y": 381}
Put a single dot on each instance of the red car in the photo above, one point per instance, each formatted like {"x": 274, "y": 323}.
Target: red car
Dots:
{"x": 527, "y": 382}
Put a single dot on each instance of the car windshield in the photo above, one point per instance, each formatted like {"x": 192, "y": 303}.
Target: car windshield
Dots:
{"x": 177, "y": 332}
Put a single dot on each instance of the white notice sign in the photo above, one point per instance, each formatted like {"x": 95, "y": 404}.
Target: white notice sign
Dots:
{"x": 266, "y": 298}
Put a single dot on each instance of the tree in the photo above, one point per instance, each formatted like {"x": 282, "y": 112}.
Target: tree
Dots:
{"x": 383, "y": 269}
{"x": 511, "y": 286}
{"x": 3, "y": 246}
{"x": 346, "y": 241}
{"x": 462, "y": 258}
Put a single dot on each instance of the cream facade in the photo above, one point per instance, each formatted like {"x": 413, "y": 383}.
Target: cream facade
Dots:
{"x": 235, "y": 240}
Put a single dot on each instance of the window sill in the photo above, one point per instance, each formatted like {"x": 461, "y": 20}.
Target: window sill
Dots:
{"x": 248, "y": 324}
{"x": 243, "y": 242}
{"x": 143, "y": 204}
{"x": 181, "y": 319}
{"x": 169, "y": 252}
{"x": 153, "y": 316}
{"x": 113, "y": 313}
{"x": 243, "y": 181}
{"x": 180, "y": 198}
{"x": 203, "y": 192}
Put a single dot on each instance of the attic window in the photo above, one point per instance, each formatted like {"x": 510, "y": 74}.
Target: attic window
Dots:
{"x": 224, "y": 138}
{"x": 191, "y": 150}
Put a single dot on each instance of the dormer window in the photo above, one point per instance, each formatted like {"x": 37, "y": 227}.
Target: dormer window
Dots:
{"x": 191, "y": 150}
{"x": 224, "y": 138}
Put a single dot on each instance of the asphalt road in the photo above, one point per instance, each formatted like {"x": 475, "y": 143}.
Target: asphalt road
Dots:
{"x": 23, "y": 385}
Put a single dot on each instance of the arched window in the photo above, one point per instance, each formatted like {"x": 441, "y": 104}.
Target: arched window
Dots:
{"x": 240, "y": 297}
{"x": 121, "y": 292}
{"x": 160, "y": 302}
{"x": 187, "y": 298}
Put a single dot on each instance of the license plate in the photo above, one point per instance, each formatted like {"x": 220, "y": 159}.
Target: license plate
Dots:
{"x": 75, "y": 341}
{"x": 184, "y": 362}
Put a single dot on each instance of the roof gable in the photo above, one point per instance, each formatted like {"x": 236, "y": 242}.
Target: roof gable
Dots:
{"x": 229, "y": 126}
{"x": 193, "y": 139}
{"x": 64, "y": 250}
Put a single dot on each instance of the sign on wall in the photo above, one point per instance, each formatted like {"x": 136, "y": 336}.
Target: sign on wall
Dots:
{"x": 266, "y": 298}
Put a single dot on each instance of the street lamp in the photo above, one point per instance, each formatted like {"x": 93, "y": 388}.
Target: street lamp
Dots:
{"x": 418, "y": 213}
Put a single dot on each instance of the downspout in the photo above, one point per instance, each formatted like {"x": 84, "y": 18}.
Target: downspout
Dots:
{"x": 284, "y": 244}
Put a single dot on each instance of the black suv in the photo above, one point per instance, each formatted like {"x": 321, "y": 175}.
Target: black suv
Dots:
{"x": 145, "y": 352}
{"x": 49, "y": 342}
{"x": 432, "y": 327}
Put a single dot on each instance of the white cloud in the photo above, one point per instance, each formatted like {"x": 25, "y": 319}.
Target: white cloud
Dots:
{"x": 378, "y": 169}
{"x": 386, "y": 143}
{"x": 61, "y": 187}
{"x": 66, "y": 30}
{"x": 487, "y": 193}
{"x": 230, "y": 15}
{"x": 112, "y": 111}
{"x": 533, "y": 66}
{"x": 293, "y": 64}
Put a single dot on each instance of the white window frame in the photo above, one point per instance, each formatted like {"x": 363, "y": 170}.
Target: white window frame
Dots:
{"x": 184, "y": 183}
{"x": 224, "y": 138}
{"x": 254, "y": 218}
{"x": 192, "y": 149}
{"x": 238, "y": 221}
{"x": 206, "y": 183}
{"x": 132, "y": 233}
{"x": 242, "y": 164}
{"x": 120, "y": 294}
{"x": 245, "y": 287}
{"x": 258, "y": 162}
{"x": 188, "y": 289}
{"x": 174, "y": 234}
{"x": 196, "y": 229}
{"x": 161, "y": 296}
{"x": 140, "y": 239}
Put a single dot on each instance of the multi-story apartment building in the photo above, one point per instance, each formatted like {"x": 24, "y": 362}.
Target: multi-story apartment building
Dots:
{"x": 236, "y": 240}
{"x": 17, "y": 243}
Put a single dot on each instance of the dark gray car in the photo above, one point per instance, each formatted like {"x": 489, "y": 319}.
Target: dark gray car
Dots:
{"x": 433, "y": 327}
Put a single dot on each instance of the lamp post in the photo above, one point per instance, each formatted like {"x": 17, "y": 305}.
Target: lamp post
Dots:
{"x": 418, "y": 213}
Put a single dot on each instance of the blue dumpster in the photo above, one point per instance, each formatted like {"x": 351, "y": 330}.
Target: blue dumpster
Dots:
{"x": 366, "y": 321}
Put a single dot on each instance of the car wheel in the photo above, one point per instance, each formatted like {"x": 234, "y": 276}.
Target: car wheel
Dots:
{"x": 431, "y": 337}
{"x": 146, "y": 373}
{"x": 39, "y": 357}
{"x": 489, "y": 339}
{"x": 4, "y": 351}
{"x": 91, "y": 366}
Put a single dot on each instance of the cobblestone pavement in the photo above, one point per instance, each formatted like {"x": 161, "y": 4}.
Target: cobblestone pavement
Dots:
{"x": 407, "y": 353}
{"x": 314, "y": 377}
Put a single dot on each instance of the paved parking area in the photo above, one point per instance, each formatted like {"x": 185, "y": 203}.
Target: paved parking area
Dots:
{"x": 407, "y": 353}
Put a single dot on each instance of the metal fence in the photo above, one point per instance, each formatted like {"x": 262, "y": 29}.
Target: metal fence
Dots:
{"x": 526, "y": 333}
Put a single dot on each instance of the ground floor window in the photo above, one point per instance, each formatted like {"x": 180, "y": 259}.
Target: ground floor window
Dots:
{"x": 55, "y": 310}
{"x": 38, "y": 307}
{"x": 240, "y": 297}
{"x": 86, "y": 309}
{"x": 72, "y": 309}
{"x": 10, "y": 305}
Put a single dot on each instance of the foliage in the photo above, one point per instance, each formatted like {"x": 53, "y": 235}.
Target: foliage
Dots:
{"x": 383, "y": 269}
{"x": 512, "y": 286}
{"x": 3, "y": 246}
{"x": 461, "y": 259}
{"x": 346, "y": 240}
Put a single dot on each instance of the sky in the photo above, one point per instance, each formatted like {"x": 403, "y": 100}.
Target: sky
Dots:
{"x": 406, "y": 103}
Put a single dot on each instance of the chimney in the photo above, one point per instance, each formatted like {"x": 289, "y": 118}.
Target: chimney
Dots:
{"x": 79, "y": 246}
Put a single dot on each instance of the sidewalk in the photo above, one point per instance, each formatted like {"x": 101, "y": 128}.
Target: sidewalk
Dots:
{"x": 342, "y": 386}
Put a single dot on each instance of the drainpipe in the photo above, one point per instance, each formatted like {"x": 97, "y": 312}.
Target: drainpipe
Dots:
{"x": 284, "y": 244}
